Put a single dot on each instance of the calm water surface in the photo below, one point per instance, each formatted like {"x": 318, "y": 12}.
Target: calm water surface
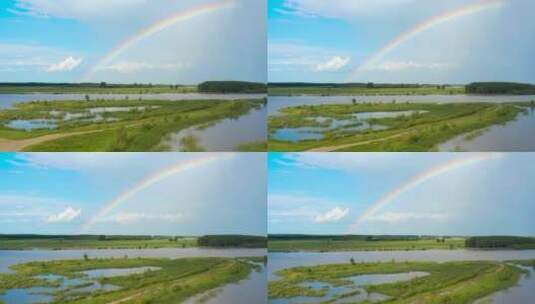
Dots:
{"x": 516, "y": 135}
{"x": 224, "y": 135}
{"x": 251, "y": 290}
{"x": 7, "y": 100}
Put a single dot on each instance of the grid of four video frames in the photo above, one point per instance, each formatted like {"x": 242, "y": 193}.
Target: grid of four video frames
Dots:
{"x": 267, "y": 151}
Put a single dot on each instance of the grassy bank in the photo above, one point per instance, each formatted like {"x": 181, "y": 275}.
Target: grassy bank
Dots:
{"x": 451, "y": 282}
{"x": 362, "y": 245}
{"x": 172, "y": 281}
{"x": 93, "y": 88}
{"x": 60, "y": 244}
{"x": 115, "y": 125}
{"x": 423, "y": 130}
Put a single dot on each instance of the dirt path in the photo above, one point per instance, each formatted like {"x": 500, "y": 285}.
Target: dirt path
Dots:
{"x": 16, "y": 145}
{"x": 361, "y": 143}
{"x": 136, "y": 295}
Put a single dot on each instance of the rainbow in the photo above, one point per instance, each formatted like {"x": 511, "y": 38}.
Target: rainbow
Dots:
{"x": 426, "y": 25}
{"x": 151, "y": 180}
{"x": 156, "y": 28}
{"x": 420, "y": 179}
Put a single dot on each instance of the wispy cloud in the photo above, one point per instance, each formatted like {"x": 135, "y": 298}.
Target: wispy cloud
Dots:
{"x": 132, "y": 217}
{"x": 68, "y": 64}
{"x": 333, "y": 215}
{"x": 135, "y": 67}
{"x": 403, "y": 217}
{"x": 334, "y": 64}
{"x": 302, "y": 208}
{"x": 406, "y": 65}
{"x": 65, "y": 216}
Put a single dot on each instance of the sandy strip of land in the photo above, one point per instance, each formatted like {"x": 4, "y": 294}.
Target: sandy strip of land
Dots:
{"x": 16, "y": 145}
{"x": 361, "y": 143}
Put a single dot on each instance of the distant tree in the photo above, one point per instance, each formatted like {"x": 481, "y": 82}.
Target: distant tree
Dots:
{"x": 86, "y": 257}
{"x": 103, "y": 84}
{"x": 354, "y": 101}
{"x": 87, "y": 98}
{"x": 370, "y": 85}
{"x": 352, "y": 261}
{"x": 101, "y": 237}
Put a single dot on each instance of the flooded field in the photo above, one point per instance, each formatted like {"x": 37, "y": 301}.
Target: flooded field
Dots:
{"x": 90, "y": 280}
{"x": 522, "y": 293}
{"x": 357, "y": 122}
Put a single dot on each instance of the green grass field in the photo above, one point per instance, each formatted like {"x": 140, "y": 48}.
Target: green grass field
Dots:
{"x": 356, "y": 91}
{"x": 61, "y": 244}
{"x": 121, "y": 125}
{"x": 172, "y": 281}
{"x": 96, "y": 89}
{"x": 431, "y": 125}
{"x": 362, "y": 245}
{"x": 450, "y": 282}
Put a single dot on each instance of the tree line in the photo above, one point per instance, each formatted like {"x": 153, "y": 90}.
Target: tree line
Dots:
{"x": 231, "y": 87}
{"x": 245, "y": 241}
{"x": 500, "y": 88}
{"x": 499, "y": 242}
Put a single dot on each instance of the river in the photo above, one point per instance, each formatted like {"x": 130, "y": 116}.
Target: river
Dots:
{"x": 7, "y": 100}
{"x": 275, "y": 103}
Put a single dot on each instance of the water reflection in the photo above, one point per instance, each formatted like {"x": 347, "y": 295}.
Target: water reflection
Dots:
{"x": 516, "y": 135}
{"x": 224, "y": 135}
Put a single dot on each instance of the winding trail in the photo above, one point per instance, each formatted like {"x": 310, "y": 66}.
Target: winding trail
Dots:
{"x": 16, "y": 145}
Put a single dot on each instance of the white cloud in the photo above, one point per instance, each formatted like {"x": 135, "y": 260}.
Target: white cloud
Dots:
{"x": 68, "y": 64}
{"x": 296, "y": 56}
{"x": 333, "y": 215}
{"x": 301, "y": 208}
{"x": 341, "y": 8}
{"x": 334, "y": 64}
{"x": 131, "y": 217}
{"x": 65, "y": 216}
{"x": 405, "y": 65}
{"x": 403, "y": 217}
{"x": 73, "y": 9}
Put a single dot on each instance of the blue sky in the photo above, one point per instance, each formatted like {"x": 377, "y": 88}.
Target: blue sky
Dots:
{"x": 55, "y": 193}
{"x": 317, "y": 193}
{"x": 60, "y": 40}
{"x": 327, "y": 41}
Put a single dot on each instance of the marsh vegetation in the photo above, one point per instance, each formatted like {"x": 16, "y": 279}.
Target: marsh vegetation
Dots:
{"x": 381, "y": 126}
{"x": 121, "y": 280}
{"x": 110, "y": 125}
{"x": 392, "y": 282}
